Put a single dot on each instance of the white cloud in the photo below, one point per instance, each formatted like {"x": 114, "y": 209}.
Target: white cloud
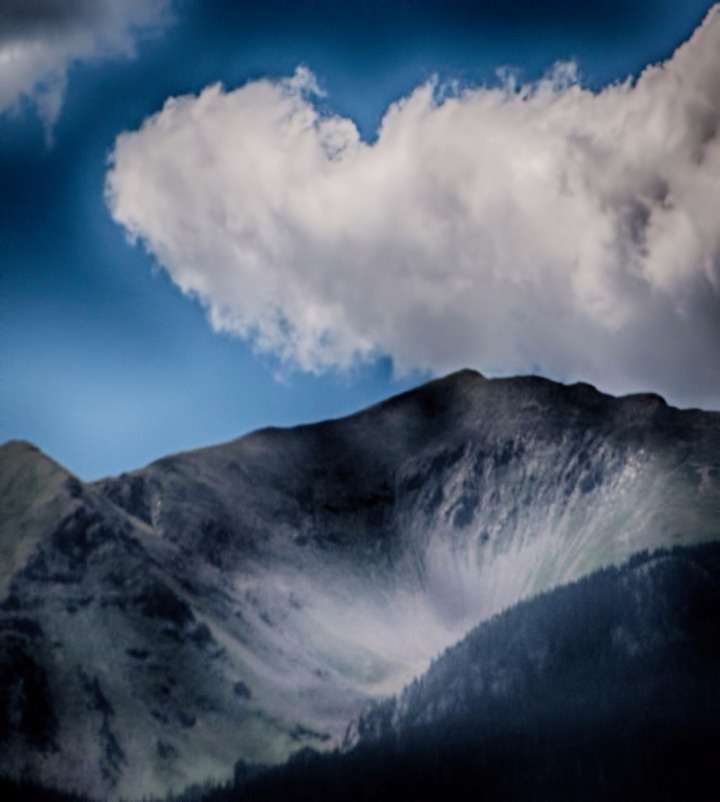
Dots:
{"x": 543, "y": 227}
{"x": 41, "y": 39}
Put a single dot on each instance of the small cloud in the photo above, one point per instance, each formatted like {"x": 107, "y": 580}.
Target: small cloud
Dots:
{"x": 40, "y": 39}
{"x": 303, "y": 82}
{"x": 504, "y": 227}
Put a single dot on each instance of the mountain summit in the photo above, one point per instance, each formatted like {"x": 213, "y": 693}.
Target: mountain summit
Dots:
{"x": 247, "y": 600}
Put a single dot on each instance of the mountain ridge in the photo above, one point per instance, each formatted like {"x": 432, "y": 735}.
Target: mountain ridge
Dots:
{"x": 640, "y": 398}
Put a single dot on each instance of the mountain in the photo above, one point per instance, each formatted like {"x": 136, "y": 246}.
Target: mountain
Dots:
{"x": 248, "y": 600}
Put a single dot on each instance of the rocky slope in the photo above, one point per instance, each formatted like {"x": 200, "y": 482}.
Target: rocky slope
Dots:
{"x": 246, "y": 600}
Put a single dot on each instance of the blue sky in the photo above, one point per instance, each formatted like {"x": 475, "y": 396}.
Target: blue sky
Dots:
{"x": 107, "y": 364}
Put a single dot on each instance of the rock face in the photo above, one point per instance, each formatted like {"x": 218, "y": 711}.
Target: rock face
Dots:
{"x": 248, "y": 600}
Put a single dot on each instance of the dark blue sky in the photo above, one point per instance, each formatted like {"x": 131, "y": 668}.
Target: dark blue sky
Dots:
{"x": 105, "y": 364}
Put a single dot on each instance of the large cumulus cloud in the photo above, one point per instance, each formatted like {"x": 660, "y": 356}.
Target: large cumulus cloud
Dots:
{"x": 41, "y": 39}
{"x": 513, "y": 228}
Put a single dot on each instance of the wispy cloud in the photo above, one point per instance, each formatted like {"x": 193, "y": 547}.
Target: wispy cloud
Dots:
{"x": 41, "y": 39}
{"x": 510, "y": 228}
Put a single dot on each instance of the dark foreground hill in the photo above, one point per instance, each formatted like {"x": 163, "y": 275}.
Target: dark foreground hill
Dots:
{"x": 249, "y": 600}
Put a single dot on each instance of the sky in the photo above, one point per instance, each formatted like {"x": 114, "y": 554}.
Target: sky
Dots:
{"x": 216, "y": 217}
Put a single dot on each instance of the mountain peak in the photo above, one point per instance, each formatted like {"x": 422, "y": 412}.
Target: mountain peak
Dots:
{"x": 18, "y": 447}
{"x": 463, "y": 374}
{"x": 22, "y": 462}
